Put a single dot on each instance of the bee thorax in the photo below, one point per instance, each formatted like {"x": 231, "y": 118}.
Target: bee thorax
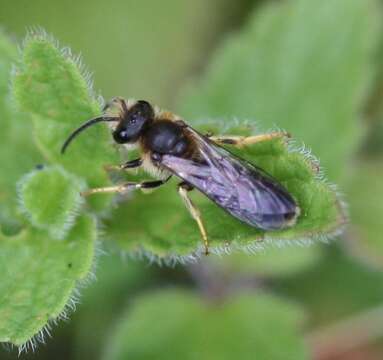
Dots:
{"x": 166, "y": 137}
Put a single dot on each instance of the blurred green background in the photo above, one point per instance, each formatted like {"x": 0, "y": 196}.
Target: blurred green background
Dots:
{"x": 141, "y": 49}
{"x": 155, "y": 50}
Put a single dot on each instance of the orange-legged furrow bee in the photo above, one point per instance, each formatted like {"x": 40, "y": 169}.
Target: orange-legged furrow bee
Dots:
{"x": 169, "y": 146}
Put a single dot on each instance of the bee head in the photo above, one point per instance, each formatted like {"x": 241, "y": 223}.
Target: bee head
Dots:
{"x": 133, "y": 123}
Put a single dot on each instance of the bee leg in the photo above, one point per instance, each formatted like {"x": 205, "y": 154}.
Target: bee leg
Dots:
{"x": 125, "y": 187}
{"x": 183, "y": 189}
{"x": 241, "y": 141}
{"x": 147, "y": 186}
{"x": 132, "y": 164}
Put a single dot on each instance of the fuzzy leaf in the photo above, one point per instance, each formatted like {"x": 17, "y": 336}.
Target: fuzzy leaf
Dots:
{"x": 15, "y": 138}
{"x": 171, "y": 233}
{"x": 302, "y": 65}
{"x": 49, "y": 84}
{"x": 40, "y": 276}
{"x": 51, "y": 199}
{"x": 183, "y": 326}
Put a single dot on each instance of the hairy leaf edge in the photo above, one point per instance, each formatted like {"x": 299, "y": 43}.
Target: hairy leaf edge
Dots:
{"x": 70, "y": 305}
{"x": 72, "y": 213}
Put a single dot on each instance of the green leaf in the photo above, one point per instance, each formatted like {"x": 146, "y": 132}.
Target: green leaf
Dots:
{"x": 51, "y": 199}
{"x": 15, "y": 138}
{"x": 49, "y": 84}
{"x": 303, "y": 65}
{"x": 183, "y": 326}
{"x": 40, "y": 277}
{"x": 366, "y": 193}
{"x": 172, "y": 234}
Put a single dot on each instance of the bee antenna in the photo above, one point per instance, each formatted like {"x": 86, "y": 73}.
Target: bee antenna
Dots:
{"x": 85, "y": 126}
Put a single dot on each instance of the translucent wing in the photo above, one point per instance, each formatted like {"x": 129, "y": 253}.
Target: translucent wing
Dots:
{"x": 242, "y": 189}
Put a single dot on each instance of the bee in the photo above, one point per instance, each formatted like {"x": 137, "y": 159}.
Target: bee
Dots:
{"x": 170, "y": 147}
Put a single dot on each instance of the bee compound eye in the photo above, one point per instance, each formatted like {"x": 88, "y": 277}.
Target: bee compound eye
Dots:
{"x": 134, "y": 118}
{"x": 144, "y": 109}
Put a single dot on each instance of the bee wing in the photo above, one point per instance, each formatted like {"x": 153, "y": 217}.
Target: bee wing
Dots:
{"x": 239, "y": 187}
